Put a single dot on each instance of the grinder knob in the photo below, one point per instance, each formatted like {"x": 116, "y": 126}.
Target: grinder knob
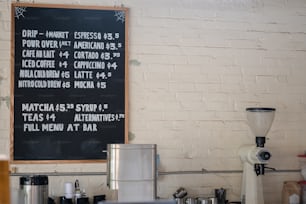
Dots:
{"x": 265, "y": 155}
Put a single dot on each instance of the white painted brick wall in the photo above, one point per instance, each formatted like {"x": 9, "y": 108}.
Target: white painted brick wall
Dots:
{"x": 194, "y": 68}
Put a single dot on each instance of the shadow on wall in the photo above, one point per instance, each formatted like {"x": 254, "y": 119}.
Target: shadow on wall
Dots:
{"x": 131, "y": 136}
{"x": 134, "y": 62}
{"x": 5, "y": 99}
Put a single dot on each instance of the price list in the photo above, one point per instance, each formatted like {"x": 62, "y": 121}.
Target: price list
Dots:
{"x": 69, "y": 82}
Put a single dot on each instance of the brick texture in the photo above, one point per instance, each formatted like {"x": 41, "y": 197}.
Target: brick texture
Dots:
{"x": 194, "y": 68}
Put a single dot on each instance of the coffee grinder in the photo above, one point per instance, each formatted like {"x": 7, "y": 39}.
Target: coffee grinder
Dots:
{"x": 255, "y": 158}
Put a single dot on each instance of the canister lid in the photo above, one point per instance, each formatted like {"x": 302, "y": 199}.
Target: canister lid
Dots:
{"x": 34, "y": 180}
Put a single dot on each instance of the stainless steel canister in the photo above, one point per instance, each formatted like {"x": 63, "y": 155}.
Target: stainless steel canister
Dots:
{"x": 131, "y": 169}
{"x": 213, "y": 200}
{"x": 190, "y": 200}
{"x": 204, "y": 201}
{"x": 35, "y": 189}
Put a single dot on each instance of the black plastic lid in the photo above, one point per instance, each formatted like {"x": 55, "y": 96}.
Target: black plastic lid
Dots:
{"x": 260, "y": 109}
{"x": 34, "y": 180}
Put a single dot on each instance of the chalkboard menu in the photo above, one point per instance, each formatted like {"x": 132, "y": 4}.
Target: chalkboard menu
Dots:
{"x": 69, "y": 82}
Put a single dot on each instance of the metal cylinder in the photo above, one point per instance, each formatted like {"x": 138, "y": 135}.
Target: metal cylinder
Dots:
{"x": 131, "y": 169}
{"x": 35, "y": 189}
